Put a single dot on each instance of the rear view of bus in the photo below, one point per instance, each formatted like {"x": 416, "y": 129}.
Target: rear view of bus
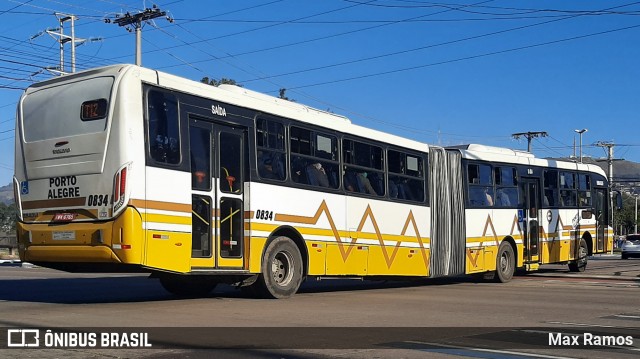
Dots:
{"x": 77, "y": 138}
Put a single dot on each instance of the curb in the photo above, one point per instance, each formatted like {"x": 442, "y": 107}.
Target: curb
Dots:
{"x": 579, "y": 276}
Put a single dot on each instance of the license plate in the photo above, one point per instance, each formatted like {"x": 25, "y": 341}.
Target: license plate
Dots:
{"x": 64, "y": 235}
{"x": 64, "y": 217}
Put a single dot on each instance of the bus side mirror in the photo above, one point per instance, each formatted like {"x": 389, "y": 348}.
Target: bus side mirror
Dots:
{"x": 618, "y": 200}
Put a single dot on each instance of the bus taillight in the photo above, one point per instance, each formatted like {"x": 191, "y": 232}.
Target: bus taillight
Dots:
{"x": 116, "y": 189}
{"x": 123, "y": 181}
{"x": 120, "y": 188}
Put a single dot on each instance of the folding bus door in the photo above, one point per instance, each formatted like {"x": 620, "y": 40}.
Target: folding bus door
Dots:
{"x": 530, "y": 215}
{"x": 217, "y": 171}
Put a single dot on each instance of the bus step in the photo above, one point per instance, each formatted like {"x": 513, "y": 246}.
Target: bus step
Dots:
{"x": 532, "y": 266}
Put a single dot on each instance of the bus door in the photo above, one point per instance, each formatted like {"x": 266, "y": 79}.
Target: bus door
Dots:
{"x": 531, "y": 223}
{"x": 600, "y": 208}
{"x": 217, "y": 172}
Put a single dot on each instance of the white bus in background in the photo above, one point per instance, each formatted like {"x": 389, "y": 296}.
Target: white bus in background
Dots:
{"x": 124, "y": 168}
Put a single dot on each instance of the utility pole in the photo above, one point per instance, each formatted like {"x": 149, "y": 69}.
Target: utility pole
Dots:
{"x": 530, "y": 136}
{"x": 609, "y": 149}
{"x": 59, "y": 35}
{"x": 635, "y": 223}
{"x": 136, "y": 20}
{"x": 609, "y": 146}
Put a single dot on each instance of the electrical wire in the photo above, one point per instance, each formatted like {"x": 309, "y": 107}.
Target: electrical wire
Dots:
{"x": 466, "y": 58}
{"x": 15, "y": 7}
{"x": 475, "y": 37}
{"x": 296, "y": 43}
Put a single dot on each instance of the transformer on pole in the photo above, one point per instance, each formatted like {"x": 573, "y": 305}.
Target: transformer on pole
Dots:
{"x": 529, "y": 136}
{"x": 136, "y": 21}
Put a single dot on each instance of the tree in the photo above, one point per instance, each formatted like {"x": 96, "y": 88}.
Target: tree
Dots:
{"x": 8, "y": 215}
{"x": 214, "y": 82}
{"x": 626, "y": 216}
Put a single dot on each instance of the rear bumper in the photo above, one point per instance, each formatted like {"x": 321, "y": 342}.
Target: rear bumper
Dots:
{"x": 634, "y": 253}
{"x": 117, "y": 241}
{"x": 72, "y": 253}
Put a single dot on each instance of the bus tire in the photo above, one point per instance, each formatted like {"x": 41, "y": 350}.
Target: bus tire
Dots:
{"x": 580, "y": 264}
{"x": 505, "y": 263}
{"x": 281, "y": 270}
{"x": 187, "y": 286}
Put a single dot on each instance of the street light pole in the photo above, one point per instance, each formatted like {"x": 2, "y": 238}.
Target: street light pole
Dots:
{"x": 635, "y": 224}
{"x": 581, "y": 132}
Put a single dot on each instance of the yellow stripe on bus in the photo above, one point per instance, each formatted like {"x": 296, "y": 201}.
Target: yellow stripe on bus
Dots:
{"x": 165, "y": 218}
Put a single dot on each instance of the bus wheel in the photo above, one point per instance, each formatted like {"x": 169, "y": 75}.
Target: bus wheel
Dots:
{"x": 187, "y": 286}
{"x": 580, "y": 264}
{"x": 505, "y": 263}
{"x": 281, "y": 270}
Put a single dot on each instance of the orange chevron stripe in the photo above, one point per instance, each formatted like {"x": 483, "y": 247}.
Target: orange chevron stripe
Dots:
{"x": 345, "y": 252}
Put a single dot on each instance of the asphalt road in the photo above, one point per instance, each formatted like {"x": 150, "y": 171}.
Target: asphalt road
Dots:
{"x": 439, "y": 318}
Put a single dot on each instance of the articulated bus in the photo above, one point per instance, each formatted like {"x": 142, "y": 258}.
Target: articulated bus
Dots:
{"x": 128, "y": 169}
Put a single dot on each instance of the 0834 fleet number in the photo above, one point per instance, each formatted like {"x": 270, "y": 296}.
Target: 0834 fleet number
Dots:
{"x": 264, "y": 215}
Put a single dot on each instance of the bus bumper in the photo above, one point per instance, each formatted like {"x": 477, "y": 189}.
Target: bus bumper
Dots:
{"x": 117, "y": 241}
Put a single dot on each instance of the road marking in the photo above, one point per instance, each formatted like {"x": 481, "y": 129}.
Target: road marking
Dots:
{"x": 627, "y": 316}
{"x": 484, "y": 353}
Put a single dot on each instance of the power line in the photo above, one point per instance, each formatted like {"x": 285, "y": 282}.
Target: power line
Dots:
{"x": 475, "y": 37}
{"x": 19, "y": 42}
{"x": 464, "y": 58}
{"x": 549, "y": 148}
{"x": 12, "y": 88}
{"x": 15, "y": 7}
{"x": 455, "y": 7}
{"x": 467, "y": 9}
{"x": 323, "y": 37}
{"x": 529, "y": 136}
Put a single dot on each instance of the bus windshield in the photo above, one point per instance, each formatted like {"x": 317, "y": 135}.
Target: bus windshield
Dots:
{"x": 67, "y": 110}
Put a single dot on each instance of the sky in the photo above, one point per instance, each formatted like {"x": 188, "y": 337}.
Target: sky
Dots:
{"x": 444, "y": 72}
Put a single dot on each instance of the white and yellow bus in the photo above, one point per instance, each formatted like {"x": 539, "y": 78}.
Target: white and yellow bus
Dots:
{"x": 124, "y": 168}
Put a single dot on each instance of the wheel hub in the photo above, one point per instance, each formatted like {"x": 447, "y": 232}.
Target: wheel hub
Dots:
{"x": 282, "y": 268}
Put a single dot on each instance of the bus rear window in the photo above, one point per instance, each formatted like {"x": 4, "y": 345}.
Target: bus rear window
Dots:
{"x": 58, "y": 111}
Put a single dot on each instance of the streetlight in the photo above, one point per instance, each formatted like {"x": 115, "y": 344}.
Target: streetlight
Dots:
{"x": 581, "y": 132}
{"x": 635, "y": 224}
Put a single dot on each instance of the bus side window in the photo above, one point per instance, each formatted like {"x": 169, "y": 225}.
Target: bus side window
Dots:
{"x": 568, "y": 190}
{"x": 506, "y": 179}
{"x": 550, "y": 184}
{"x": 584, "y": 190}
{"x": 164, "y": 127}
{"x": 271, "y": 150}
{"x": 480, "y": 178}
